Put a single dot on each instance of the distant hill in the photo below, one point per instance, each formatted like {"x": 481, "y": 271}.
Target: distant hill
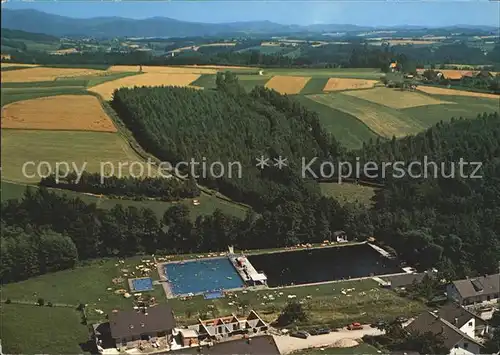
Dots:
{"x": 30, "y": 36}
{"x": 34, "y": 21}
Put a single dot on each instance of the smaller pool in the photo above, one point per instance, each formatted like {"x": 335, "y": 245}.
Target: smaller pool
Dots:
{"x": 141, "y": 284}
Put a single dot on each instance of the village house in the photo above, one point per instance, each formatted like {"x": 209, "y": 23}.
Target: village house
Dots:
{"x": 458, "y": 342}
{"x": 128, "y": 327}
{"x": 466, "y": 321}
{"x": 475, "y": 291}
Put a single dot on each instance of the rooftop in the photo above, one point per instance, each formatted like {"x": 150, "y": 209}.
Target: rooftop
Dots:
{"x": 133, "y": 323}
{"x": 457, "y": 315}
{"x": 484, "y": 285}
{"x": 255, "y": 345}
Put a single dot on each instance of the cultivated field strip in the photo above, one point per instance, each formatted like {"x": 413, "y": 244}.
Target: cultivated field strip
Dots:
{"x": 45, "y": 74}
{"x": 62, "y": 112}
{"x": 339, "y": 84}
{"x": 163, "y": 70}
{"x": 78, "y": 147}
{"x": 381, "y": 119}
{"x": 395, "y": 98}
{"x": 147, "y": 79}
{"x": 287, "y": 84}
{"x": 6, "y": 65}
{"x": 443, "y": 91}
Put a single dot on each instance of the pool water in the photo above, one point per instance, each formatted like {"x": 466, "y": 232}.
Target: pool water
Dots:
{"x": 200, "y": 276}
{"x": 144, "y": 284}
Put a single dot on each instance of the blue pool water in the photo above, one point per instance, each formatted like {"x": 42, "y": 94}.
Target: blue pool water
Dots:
{"x": 144, "y": 284}
{"x": 200, "y": 276}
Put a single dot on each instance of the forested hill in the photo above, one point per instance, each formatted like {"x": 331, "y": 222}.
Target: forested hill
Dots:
{"x": 452, "y": 222}
{"x": 228, "y": 126}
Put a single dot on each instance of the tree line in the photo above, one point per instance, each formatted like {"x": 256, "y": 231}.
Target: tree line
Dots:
{"x": 162, "y": 188}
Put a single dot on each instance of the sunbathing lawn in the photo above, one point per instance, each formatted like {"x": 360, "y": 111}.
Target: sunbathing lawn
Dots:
{"x": 29, "y": 329}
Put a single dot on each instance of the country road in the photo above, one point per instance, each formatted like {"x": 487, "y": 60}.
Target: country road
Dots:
{"x": 287, "y": 344}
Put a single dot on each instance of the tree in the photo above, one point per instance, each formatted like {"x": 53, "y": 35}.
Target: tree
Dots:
{"x": 292, "y": 313}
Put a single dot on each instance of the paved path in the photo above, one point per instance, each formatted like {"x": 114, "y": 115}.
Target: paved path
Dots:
{"x": 287, "y": 344}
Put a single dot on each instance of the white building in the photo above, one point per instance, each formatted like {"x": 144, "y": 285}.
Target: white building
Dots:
{"x": 460, "y": 335}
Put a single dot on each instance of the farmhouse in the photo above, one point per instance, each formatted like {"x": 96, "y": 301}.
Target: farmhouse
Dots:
{"x": 476, "y": 291}
{"x": 457, "y": 341}
{"x": 130, "y": 326}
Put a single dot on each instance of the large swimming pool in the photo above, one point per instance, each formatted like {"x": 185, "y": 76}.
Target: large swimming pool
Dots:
{"x": 199, "y": 276}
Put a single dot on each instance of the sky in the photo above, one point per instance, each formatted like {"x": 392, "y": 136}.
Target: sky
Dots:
{"x": 367, "y": 13}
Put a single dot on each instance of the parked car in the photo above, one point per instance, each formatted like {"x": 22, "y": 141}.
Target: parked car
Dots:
{"x": 300, "y": 334}
{"x": 355, "y": 326}
{"x": 319, "y": 331}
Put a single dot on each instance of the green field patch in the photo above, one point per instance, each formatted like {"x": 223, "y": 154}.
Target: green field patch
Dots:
{"x": 12, "y": 95}
{"x": 348, "y": 193}
{"x": 206, "y": 81}
{"x": 466, "y": 107}
{"x": 383, "y": 120}
{"x": 79, "y": 66}
{"x": 314, "y": 86}
{"x": 13, "y": 67}
{"x": 29, "y": 329}
{"x": 45, "y": 84}
{"x": 248, "y": 82}
{"x": 92, "y": 148}
{"x": 346, "y": 128}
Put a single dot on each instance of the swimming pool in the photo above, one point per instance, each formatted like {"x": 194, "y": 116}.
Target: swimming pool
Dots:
{"x": 141, "y": 284}
{"x": 200, "y": 276}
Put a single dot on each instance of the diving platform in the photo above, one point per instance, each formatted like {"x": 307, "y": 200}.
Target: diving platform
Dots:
{"x": 247, "y": 271}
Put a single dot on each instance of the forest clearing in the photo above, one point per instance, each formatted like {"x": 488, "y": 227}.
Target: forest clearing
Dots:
{"x": 62, "y": 112}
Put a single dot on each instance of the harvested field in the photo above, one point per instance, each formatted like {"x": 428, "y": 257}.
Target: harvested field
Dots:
{"x": 382, "y": 120}
{"x": 396, "y": 98}
{"x": 148, "y": 79}
{"x": 442, "y": 91}
{"x": 339, "y": 84}
{"x": 218, "y": 67}
{"x": 163, "y": 70}
{"x": 63, "y": 112}
{"x": 287, "y": 84}
{"x": 45, "y": 74}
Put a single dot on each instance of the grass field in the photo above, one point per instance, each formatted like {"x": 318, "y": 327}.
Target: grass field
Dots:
{"x": 348, "y": 193}
{"x": 442, "y": 91}
{"x": 314, "y": 86}
{"x": 362, "y": 348}
{"x": 385, "y": 121}
{"x": 6, "y": 65}
{"x": 206, "y": 81}
{"x": 20, "y": 146}
{"x": 13, "y": 95}
{"x": 340, "y": 84}
{"x": 208, "y": 203}
{"x": 467, "y": 107}
{"x": 287, "y": 84}
{"x": 148, "y": 79}
{"x": 396, "y": 98}
{"x": 44, "y": 74}
{"x": 62, "y": 112}
{"x": 326, "y": 304}
{"x": 28, "y": 329}
{"x": 346, "y": 128}
{"x": 163, "y": 70}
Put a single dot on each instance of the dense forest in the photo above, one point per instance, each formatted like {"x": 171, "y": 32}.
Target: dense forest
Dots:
{"x": 229, "y": 126}
{"x": 162, "y": 188}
